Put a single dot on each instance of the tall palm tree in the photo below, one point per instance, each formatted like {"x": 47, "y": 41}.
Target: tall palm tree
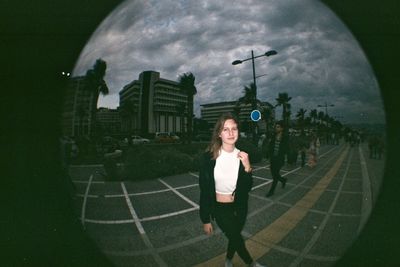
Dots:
{"x": 267, "y": 115}
{"x": 236, "y": 110}
{"x": 313, "y": 115}
{"x": 180, "y": 109}
{"x": 186, "y": 83}
{"x": 283, "y": 100}
{"x": 321, "y": 116}
{"x": 94, "y": 82}
{"x": 249, "y": 97}
{"x": 301, "y": 118}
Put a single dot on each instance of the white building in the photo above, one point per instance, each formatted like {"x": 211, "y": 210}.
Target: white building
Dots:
{"x": 211, "y": 112}
{"x": 108, "y": 121}
{"x": 152, "y": 104}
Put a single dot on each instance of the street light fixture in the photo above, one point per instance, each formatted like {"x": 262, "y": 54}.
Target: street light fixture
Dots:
{"x": 326, "y": 107}
{"x": 266, "y": 54}
{"x": 236, "y": 62}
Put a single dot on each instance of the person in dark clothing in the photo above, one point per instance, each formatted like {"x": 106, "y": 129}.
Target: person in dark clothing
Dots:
{"x": 277, "y": 149}
{"x": 225, "y": 181}
{"x": 304, "y": 144}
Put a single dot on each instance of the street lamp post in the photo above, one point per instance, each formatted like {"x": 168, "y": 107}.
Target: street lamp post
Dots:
{"x": 236, "y": 62}
{"x": 326, "y": 107}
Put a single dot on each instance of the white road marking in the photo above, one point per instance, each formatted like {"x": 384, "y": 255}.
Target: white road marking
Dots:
{"x": 85, "y": 182}
{"x": 366, "y": 204}
{"x": 179, "y": 194}
{"x": 85, "y": 200}
{"x": 261, "y": 185}
{"x": 132, "y": 210}
{"x": 152, "y": 192}
{"x": 109, "y": 221}
{"x": 169, "y": 214}
{"x": 152, "y": 218}
{"x": 145, "y": 238}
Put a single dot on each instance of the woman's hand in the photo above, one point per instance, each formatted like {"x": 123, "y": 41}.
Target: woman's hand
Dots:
{"x": 208, "y": 229}
{"x": 244, "y": 158}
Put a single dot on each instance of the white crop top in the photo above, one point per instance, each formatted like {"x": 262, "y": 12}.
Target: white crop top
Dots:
{"x": 226, "y": 171}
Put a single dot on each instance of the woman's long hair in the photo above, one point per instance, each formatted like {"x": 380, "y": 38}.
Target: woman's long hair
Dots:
{"x": 216, "y": 142}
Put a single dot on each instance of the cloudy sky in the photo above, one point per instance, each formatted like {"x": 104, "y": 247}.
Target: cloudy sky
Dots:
{"x": 318, "y": 62}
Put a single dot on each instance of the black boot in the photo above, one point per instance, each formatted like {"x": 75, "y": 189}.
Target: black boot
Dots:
{"x": 283, "y": 181}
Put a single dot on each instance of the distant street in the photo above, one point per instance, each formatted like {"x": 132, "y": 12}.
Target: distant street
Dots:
{"x": 311, "y": 222}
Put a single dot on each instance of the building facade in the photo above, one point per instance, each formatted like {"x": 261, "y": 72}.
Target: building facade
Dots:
{"x": 77, "y": 118}
{"x": 211, "y": 112}
{"x": 108, "y": 121}
{"x": 152, "y": 104}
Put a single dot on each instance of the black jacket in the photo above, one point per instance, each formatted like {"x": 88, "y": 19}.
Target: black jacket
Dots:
{"x": 283, "y": 148}
{"x": 207, "y": 188}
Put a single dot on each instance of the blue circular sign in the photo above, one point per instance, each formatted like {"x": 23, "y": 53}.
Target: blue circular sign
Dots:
{"x": 255, "y": 115}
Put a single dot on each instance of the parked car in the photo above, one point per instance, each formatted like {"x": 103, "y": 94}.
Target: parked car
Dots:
{"x": 175, "y": 137}
{"x": 136, "y": 140}
{"x": 164, "y": 137}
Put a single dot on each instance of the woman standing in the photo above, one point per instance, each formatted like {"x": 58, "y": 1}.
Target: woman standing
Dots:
{"x": 312, "y": 159}
{"x": 277, "y": 149}
{"x": 225, "y": 181}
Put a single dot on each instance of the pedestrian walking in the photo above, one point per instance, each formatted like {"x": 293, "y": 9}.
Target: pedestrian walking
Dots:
{"x": 277, "y": 149}
{"x": 225, "y": 181}
{"x": 304, "y": 145}
{"x": 312, "y": 151}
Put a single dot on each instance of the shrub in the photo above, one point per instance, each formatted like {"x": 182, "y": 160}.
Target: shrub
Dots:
{"x": 192, "y": 149}
{"x": 148, "y": 163}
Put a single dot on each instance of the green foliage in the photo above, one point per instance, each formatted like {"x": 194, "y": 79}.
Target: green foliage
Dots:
{"x": 192, "y": 149}
{"x": 148, "y": 163}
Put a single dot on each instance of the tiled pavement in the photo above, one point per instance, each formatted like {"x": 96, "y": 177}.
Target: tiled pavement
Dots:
{"x": 156, "y": 222}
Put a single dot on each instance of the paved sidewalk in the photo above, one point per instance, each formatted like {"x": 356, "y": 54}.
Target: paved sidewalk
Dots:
{"x": 309, "y": 223}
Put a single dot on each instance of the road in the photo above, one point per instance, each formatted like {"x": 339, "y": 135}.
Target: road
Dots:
{"x": 311, "y": 222}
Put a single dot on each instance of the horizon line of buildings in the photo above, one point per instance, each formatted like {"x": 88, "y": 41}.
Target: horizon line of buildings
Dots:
{"x": 147, "y": 105}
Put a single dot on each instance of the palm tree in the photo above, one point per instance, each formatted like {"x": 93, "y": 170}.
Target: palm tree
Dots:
{"x": 300, "y": 118}
{"x": 236, "y": 110}
{"x": 287, "y": 115}
{"x": 267, "y": 115}
{"x": 180, "y": 109}
{"x": 313, "y": 115}
{"x": 94, "y": 82}
{"x": 321, "y": 116}
{"x": 186, "y": 83}
{"x": 249, "y": 97}
{"x": 283, "y": 100}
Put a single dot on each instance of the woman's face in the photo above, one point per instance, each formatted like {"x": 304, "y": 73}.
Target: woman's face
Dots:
{"x": 229, "y": 133}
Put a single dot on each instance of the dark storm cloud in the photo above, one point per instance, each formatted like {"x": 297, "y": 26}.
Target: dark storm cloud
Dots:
{"x": 318, "y": 60}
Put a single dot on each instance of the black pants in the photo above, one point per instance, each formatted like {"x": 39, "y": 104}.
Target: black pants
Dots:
{"x": 276, "y": 165}
{"x": 303, "y": 158}
{"x": 231, "y": 221}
